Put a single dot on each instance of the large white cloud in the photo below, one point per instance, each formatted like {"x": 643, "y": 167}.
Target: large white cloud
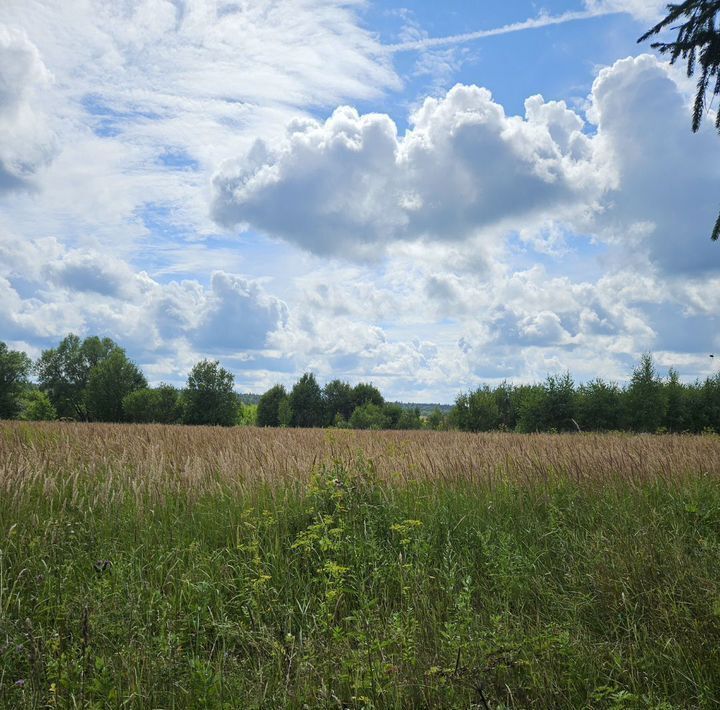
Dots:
{"x": 148, "y": 95}
{"x": 351, "y": 185}
{"x": 25, "y": 142}
{"x": 667, "y": 196}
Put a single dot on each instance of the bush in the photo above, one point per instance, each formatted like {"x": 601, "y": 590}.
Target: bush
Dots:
{"x": 160, "y": 405}
{"x": 35, "y": 406}
{"x": 369, "y": 416}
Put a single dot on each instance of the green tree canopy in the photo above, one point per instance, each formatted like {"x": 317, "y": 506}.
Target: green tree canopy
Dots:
{"x": 599, "y": 406}
{"x": 15, "y": 367}
{"x": 108, "y": 383}
{"x": 477, "y": 411}
{"x": 63, "y": 372}
{"x": 369, "y": 416}
{"x": 285, "y": 412}
{"x": 436, "y": 419}
{"x": 365, "y": 392}
{"x": 560, "y": 411}
{"x": 269, "y": 405}
{"x": 645, "y": 397}
{"x": 698, "y": 43}
{"x": 36, "y": 406}
{"x": 409, "y": 419}
{"x": 337, "y": 399}
{"x": 306, "y": 402}
{"x": 160, "y": 405}
{"x": 209, "y": 397}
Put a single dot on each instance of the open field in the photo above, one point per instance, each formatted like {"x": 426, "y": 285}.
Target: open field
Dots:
{"x": 150, "y": 566}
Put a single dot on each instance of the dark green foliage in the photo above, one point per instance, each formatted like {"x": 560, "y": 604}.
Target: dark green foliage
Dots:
{"x": 507, "y": 406}
{"x": 436, "y": 420}
{"x": 209, "y": 397}
{"x": 477, "y": 411}
{"x": 337, "y": 399}
{"x": 531, "y": 409}
{"x": 409, "y": 419}
{"x": 559, "y": 402}
{"x": 14, "y": 370}
{"x": 93, "y": 379}
{"x": 393, "y": 413}
{"x": 268, "y": 408}
{"x": 547, "y": 407}
{"x": 160, "y": 405}
{"x": 108, "y": 383}
{"x": 599, "y": 406}
{"x": 306, "y": 402}
{"x": 365, "y": 392}
{"x": 645, "y": 398}
{"x": 285, "y": 412}
{"x": 710, "y": 403}
{"x": 648, "y": 404}
{"x": 63, "y": 372}
{"x": 698, "y": 43}
{"x": 677, "y": 413}
{"x": 369, "y": 416}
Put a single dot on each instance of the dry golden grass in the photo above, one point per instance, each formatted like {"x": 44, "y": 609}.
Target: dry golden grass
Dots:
{"x": 154, "y": 459}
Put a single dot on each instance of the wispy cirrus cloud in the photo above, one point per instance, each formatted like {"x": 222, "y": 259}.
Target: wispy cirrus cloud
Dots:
{"x": 643, "y": 10}
{"x": 542, "y": 20}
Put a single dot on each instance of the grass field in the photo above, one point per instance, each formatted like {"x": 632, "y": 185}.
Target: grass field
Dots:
{"x": 180, "y": 567}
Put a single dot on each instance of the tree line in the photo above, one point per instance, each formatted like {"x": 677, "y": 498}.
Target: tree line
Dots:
{"x": 94, "y": 380}
{"x": 649, "y": 403}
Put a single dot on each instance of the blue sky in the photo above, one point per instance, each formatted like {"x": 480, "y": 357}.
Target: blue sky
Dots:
{"x": 424, "y": 195}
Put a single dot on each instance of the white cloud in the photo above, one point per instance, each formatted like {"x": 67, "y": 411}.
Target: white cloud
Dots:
{"x": 25, "y": 142}
{"x": 351, "y": 185}
{"x": 149, "y": 95}
{"x": 47, "y": 290}
{"x": 643, "y": 10}
{"x": 595, "y": 9}
{"x": 666, "y": 200}
{"x": 239, "y": 314}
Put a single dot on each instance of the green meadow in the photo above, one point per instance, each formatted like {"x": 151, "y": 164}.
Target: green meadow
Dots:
{"x": 347, "y": 588}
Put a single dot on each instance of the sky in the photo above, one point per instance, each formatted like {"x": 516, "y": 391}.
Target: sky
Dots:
{"x": 428, "y": 196}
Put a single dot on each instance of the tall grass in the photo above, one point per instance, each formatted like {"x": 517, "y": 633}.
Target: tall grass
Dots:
{"x": 180, "y": 567}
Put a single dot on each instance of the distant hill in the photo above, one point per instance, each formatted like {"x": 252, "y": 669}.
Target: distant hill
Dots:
{"x": 248, "y": 398}
{"x": 424, "y": 407}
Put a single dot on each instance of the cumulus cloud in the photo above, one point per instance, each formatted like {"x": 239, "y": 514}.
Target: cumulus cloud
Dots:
{"x": 667, "y": 197}
{"x": 47, "y": 290}
{"x": 25, "y": 143}
{"x": 632, "y": 174}
{"x": 156, "y": 92}
{"x": 239, "y": 314}
{"x": 351, "y": 185}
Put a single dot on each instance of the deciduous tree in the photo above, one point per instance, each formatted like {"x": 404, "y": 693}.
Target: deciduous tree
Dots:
{"x": 209, "y": 397}
{"x": 15, "y": 367}
{"x": 108, "y": 383}
{"x": 306, "y": 402}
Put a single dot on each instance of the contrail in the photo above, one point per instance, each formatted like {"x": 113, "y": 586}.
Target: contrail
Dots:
{"x": 531, "y": 24}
